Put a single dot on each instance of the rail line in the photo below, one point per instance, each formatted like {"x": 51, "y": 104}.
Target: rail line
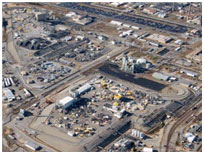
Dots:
{"x": 181, "y": 120}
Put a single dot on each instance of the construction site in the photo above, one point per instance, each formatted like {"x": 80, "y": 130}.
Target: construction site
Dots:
{"x": 101, "y": 77}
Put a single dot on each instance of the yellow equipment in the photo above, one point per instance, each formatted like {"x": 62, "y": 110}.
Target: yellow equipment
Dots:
{"x": 128, "y": 93}
{"x": 115, "y": 104}
{"x": 104, "y": 83}
{"x": 118, "y": 96}
{"x": 86, "y": 131}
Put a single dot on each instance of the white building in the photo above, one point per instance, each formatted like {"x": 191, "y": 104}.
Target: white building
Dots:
{"x": 79, "y": 38}
{"x": 26, "y": 93}
{"x": 71, "y": 14}
{"x": 135, "y": 27}
{"x": 179, "y": 42}
{"x": 67, "y": 102}
{"x": 190, "y": 137}
{"x": 84, "y": 89}
{"x": 160, "y": 76}
{"x": 189, "y": 73}
{"x": 138, "y": 134}
{"x": 126, "y": 25}
{"x": 8, "y": 94}
{"x": 113, "y": 22}
{"x": 32, "y": 146}
{"x": 102, "y": 37}
{"x": 145, "y": 149}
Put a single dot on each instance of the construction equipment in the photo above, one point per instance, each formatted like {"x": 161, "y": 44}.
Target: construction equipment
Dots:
{"x": 86, "y": 131}
{"x": 118, "y": 96}
{"x": 115, "y": 104}
{"x": 103, "y": 83}
{"x": 129, "y": 93}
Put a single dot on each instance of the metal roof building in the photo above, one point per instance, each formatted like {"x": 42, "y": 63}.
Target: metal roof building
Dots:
{"x": 160, "y": 76}
{"x": 84, "y": 88}
{"x": 8, "y": 94}
{"x": 189, "y": 73}
{"x": 67, "y": 102}
{"x": 116, "y": 23}
{"x": 32, "y": 146}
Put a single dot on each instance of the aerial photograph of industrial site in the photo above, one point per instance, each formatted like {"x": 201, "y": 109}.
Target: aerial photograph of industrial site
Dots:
{"x": 101, "y": 76}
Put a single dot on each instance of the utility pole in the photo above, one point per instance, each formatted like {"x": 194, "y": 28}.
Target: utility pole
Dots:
{"x": 173, "y": 8}
{"x": 189, "y": 11}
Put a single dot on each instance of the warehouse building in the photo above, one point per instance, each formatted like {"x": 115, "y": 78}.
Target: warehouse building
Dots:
{"x": 7, "y": 93}
{"x": 160, "y": 38}
{"x": 160, "y": 76}
{"x": 67, "y": 102}
{"x": 75, "y": 92}
{"x": 84, "y": 89}
{"x": 126, "y": 25}
{"x": 135, "y": 27}
{"x": 32, "y": 146}
{"x": 179, "y": 42}
{"x": 189, "y": 73}
{"x": 113, "y": 22}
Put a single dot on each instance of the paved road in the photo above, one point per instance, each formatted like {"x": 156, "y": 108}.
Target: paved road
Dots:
{"x": 19, "y": 130}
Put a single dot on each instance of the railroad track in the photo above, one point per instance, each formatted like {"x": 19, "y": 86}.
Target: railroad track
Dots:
{"x": 135, "y": 15}
{"x": 182, "y": 120}
{"x": 125, "y": 17}
{"x": 199, "y": 148}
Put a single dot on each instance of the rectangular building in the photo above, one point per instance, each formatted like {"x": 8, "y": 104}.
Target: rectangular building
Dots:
{"x": 8, "y": 94}
{"x": 189, "y": 73}
{"x": 160, "y": 76}
{"x": 160, "y": 38}
{"x": 32, "y": 146}
{"x": 84, "y": 89}
{"x": 116, "y": 23}
{"x": 67, "y": 102}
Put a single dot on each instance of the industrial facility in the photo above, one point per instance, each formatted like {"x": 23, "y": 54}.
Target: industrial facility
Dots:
{"x": 132, "y": 65}
{"x": 102, "y": 77}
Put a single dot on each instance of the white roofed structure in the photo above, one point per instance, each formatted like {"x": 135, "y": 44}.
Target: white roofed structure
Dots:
{"x": 8, "y": 94}
{"x": 160, "y": 76}
{"x": 116, "y": 23}
{"x": 84, "y": 88}
{"x": 67, "y": 102}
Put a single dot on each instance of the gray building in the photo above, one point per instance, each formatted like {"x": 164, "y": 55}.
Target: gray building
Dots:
{"x": 189, "y": 73}
{"x": 160, "y": 76}
{"x": 32, "y": 146}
